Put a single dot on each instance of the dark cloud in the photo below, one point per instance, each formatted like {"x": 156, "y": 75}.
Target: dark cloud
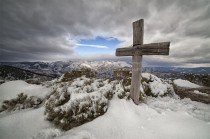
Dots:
{"x": 32, "y": 30}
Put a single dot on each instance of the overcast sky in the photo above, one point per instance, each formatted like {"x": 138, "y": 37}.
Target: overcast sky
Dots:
{"x": 52, "y": 30}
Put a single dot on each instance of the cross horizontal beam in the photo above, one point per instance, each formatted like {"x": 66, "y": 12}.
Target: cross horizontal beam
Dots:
{"x": 145, "y": 49}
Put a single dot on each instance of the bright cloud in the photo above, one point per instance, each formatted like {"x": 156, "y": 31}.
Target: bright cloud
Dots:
{"x": 92, "y": 45}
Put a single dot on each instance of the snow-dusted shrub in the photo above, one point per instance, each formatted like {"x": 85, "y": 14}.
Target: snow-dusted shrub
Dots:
{"x": 151, "y": 86}
{"x": 154, "y": 86}
{"x": 56, "y": 98}
{"x": 22, "y": 101}
{"x": 126, "y": 81}
{"x": 145, "y": 84}
{"x": 69, "y": 76}
{"x": 122, "y": 89}
{"x": 124, "y": 95}
{"x": 78, "y": 112}
{"x": 108, "y": 94}
{"x": 121, "y": 73}
{"x": 74, "y": 103}
{"x": 88, "y": 82}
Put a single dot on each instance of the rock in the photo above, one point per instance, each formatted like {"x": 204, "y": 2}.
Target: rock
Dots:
{"x": 200, "y": 94}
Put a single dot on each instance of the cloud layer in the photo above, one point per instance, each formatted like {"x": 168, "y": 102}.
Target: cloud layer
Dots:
{"x": 34, "y": 30}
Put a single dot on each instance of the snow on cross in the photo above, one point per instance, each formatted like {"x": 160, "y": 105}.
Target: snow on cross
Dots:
{"x": 137, "y": 51}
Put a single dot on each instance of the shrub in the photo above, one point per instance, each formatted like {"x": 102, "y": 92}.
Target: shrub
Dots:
{"x": 22, "y": 101}
{"x": 66, "y": 110}
{"x": 150, "y": 86}
{"x": 76, "y": 112}
{"x": 145, "y": 84}
{"x": 69, "y": 76}
{"x": 126, "y": 82}
{"x": 154, "y": 86}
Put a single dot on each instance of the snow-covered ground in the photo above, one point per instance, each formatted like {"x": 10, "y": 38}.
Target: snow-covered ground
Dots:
{"x": 125, "y": 120}
{"x": 11, "y": 89}
{"x": 24, "y": 124}
{"x": 185, "y": 83}
{"x": 159, "y": 118}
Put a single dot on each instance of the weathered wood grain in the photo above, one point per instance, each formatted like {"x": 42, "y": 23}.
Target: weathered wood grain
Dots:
{"x": 125, "y": 51}
{"x": 154, "y": 51}
{"x": 154, "y": 45}
{"x": 145, "y": 49}
{"x": 138, "y": 34}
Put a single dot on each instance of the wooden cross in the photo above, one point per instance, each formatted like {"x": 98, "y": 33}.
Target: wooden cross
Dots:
{"x": 137, "y": 51}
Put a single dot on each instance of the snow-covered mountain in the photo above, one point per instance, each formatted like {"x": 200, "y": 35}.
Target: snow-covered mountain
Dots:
{"x": 103, "y": 68}
{"x": 98, "y": 65}
{"x": 40, "y": 67}
{"x": 59, "y": 67}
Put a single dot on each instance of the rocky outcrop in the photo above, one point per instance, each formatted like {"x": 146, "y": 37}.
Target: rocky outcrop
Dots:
{"x": 200, "y": 94}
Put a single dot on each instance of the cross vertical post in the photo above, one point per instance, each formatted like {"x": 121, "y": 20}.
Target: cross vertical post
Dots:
{"x": 137, "y": 51}
{"x": 138, "y": 32}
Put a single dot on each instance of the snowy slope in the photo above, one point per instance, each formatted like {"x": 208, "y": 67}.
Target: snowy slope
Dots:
{"x": 9, "y": 90}
{"x": 24, "y": 124}
{"x": 159, "y": 118}
{"x": 124, "y": 120}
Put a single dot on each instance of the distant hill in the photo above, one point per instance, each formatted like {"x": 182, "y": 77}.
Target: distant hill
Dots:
{"x": 14, "y": 73}
{"x": 59, "y": 67}
{"x": 48, "y": 68}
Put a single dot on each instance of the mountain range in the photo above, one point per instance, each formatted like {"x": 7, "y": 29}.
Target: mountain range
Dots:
{"x": 45, "y": 70}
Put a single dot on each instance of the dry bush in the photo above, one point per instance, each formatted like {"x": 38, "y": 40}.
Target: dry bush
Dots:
{"x": 67, "y": 112}
{"x": 22, "y": 101}
{"x": 78, "y": 111}
{"x": 69, "y": 76}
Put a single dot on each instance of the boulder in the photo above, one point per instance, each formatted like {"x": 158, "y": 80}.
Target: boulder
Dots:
{"x": 186, "y": 89}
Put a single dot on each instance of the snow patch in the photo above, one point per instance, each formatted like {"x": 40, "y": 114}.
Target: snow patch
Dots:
{"x": 125, "y": 120}
{"x": 23, "y": 124}
{"x": 11, "y": 89}
{"x": 185, "y": 83}
{"x": 200, "y": 93}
